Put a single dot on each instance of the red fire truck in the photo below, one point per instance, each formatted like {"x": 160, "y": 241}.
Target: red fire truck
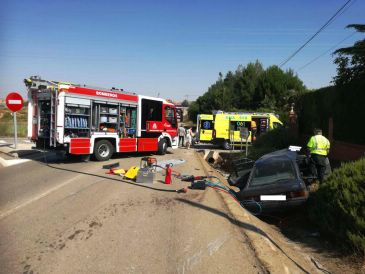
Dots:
{"x": 86, "y": 120}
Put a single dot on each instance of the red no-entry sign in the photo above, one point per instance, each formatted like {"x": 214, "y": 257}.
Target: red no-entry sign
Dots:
{"x": 14, "y": 101}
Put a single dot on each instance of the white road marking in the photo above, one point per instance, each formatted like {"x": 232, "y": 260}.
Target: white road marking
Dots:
{"x": 270, "y": 244}
{"x": 7, "y": 163}
{"x": 2, "y": 142}
{"x": 216, "y": 245}
{"x": 36, "y": 198}
{"x": 211, "y": 248}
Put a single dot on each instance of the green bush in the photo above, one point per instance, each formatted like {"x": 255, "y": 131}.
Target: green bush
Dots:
{"x": 276, "y": 139}
{"x": 338, "y": 207}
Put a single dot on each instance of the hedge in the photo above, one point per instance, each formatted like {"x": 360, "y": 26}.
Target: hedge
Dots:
{"x": 276, "y": 139}
{"x": 338, "y": 207}
{"x": 344, "y": 104}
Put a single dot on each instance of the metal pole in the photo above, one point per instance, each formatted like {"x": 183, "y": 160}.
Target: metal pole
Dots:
{"x": 15, "y": 131}
{"x": 249, "y": 133}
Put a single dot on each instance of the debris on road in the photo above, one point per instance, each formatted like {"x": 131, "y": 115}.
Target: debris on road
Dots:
{"x": 110, "y": 166}
{"x": 145, "y": 175}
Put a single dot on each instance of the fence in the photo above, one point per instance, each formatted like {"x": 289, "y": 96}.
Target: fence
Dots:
{"x": 344, "y": 105}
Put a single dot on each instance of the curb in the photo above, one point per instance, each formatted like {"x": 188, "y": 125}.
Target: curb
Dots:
{"x": 275, "y": 253}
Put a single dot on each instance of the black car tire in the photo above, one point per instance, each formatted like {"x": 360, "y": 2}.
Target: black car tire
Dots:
{"x": 162, "y": 147}
{"x": 103, "y": 150}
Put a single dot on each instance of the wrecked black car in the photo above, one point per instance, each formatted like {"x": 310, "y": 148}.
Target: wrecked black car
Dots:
{"x": 274, "y": 182}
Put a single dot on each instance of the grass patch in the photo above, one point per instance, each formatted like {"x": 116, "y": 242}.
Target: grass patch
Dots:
{"x": 7, "y": 124}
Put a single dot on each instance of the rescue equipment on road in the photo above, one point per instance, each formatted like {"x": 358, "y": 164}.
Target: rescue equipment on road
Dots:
{"x": 132, "y": 173}
{"x": 168, "y": 175}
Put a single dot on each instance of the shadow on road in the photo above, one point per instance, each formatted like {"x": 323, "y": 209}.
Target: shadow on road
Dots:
{"x": 205, "y": 146}
{"x": 60, "y": 157}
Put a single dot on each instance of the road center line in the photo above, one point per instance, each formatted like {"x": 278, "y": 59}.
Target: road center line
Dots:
{"x": 36, "y": 198}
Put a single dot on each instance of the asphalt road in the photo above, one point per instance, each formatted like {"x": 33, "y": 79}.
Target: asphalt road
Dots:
{"x": 71, "y": 217}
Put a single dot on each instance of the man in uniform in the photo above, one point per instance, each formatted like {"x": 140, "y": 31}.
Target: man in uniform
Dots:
{"x": 181, "y": 132}
{"x": 318, "y": 147}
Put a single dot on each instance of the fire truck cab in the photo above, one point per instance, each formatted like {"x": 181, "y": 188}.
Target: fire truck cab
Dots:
{"x": 99, "y": 122}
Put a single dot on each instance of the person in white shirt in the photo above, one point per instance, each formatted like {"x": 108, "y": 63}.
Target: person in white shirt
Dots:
{"x": 189, "y": 137}
{"x": 181, "y": 133}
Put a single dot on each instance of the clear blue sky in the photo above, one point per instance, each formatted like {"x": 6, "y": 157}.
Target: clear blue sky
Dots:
{"x": 174, "y": 48}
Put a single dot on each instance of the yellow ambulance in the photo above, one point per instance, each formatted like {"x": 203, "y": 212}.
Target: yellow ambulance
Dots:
{"x": 205, "y": 127}
{"x": 225, "y": 128}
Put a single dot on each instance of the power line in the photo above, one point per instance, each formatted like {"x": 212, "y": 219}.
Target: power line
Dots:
{"x": 324, "y": 53}
{"x": 314, "y": 35}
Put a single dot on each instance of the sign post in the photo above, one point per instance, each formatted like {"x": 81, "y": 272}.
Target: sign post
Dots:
{"x": 244, "y": 134}
{"x": 14, "y": 102}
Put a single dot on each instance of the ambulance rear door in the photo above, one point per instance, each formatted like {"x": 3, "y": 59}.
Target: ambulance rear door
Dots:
{"x": 205, "y": 127}
{"x": 236, "y": 123}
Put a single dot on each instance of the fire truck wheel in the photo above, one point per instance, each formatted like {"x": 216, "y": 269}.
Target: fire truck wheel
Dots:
{"x": 226, "y": 145}
{"x": 103, "y": 150}
{"x": 162, "y": 147}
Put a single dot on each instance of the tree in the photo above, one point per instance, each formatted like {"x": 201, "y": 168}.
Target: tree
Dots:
{"x": 185, "y": 103}
{"x": 351, "y": 60}
{"x": 193, "y": 111}
{"x": 250, "y": 87}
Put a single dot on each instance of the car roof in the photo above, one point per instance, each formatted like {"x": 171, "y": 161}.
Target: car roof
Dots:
{"x": 280, "y": 155}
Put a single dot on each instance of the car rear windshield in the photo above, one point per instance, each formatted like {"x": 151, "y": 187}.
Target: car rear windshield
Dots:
{"x": 272, "y": 171}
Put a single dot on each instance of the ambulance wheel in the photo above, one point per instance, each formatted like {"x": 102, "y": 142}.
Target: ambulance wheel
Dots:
{"x": 162, "y": 147}
{"x": 103, "y": 150}
{"x": 226, "y": 145}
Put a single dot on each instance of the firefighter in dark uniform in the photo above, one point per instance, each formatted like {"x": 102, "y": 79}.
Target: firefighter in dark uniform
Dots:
{"x": 318, "y": 147}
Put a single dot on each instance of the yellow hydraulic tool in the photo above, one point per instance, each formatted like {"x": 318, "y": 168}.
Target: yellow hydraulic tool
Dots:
{"x": 132, "y": 173}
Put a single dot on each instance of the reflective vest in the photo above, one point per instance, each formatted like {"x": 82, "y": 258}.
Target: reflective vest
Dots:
{"x": 318, "y": 144}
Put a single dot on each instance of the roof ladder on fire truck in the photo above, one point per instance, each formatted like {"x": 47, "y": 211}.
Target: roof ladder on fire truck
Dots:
{"x": 53, "y": 122}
